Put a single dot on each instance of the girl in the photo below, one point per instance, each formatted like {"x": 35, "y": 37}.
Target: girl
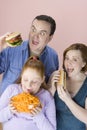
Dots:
{"x": 71, "y": 104}
{"x": 31, "y": 80}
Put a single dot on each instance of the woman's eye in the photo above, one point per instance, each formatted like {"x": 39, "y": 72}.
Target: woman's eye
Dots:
{"x": 74, "y": 59}
{"x": 66, "y": 58}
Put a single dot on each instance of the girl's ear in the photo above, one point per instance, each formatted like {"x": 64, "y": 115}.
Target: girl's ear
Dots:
{"x": 43, "y": 79}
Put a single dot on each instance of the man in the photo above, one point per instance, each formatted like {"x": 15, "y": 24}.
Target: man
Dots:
{"x": 12, "y": 59}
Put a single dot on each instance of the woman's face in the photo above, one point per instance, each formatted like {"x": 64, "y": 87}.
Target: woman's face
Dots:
{"x": 73, "y": 63}
{"x": 31, "y": 81}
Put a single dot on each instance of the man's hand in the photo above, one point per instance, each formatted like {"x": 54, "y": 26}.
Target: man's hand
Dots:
{"x": 3, "y": 44}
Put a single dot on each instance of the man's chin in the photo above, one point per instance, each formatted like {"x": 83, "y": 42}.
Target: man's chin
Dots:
{"x": 35, "y": 52}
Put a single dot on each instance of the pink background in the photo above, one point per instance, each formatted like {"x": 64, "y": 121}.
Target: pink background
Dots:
{"x": 70, "y": 16}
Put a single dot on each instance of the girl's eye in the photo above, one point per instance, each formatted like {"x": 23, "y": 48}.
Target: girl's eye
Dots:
{"x": 25, "y": 80}
{"x": 35, "y": 82}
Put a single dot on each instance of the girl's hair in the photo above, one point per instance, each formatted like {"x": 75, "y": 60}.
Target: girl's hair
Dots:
{"x": 34, "y": 63}
{"x": 82, "y": 48}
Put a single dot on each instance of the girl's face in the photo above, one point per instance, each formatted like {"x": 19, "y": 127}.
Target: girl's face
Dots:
{"x": 31, "y": 81}
{"x": 73, "y": 63}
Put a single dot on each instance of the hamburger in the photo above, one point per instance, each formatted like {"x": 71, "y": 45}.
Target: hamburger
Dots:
{"x": 14, "y": 39}
{"x": 62, "y": 78}
{"x": 25, "y": 102}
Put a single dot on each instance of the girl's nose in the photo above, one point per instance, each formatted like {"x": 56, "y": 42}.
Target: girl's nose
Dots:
{"x": 28, "y": 85}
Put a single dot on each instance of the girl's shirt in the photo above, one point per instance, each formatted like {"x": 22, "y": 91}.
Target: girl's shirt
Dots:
{"x": 45, "y": 120}
{"x": 65, "y": 119}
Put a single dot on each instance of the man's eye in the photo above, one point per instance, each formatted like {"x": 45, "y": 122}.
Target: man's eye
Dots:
{"x": 42, "y": 33}
{"x": 33, "y": 29}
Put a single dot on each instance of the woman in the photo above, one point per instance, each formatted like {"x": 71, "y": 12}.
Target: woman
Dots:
{"x": 71, "y": 104}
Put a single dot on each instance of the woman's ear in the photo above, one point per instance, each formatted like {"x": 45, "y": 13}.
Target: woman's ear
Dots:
{"x": 83, "y": 64}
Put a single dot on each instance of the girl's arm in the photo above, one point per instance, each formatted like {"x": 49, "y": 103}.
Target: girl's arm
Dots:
{"x": 47, "y": 120}
{"x": 79, "y": 112}
{"x": 5, "y": 113}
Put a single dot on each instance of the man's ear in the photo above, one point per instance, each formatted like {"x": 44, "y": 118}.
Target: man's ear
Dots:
{"x": 50, "y": 38}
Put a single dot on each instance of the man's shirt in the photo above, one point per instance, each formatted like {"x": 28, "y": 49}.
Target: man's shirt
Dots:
{"x": 12, "y": 60}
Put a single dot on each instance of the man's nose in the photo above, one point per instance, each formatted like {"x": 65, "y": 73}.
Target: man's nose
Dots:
{"x": 36, "y": 34}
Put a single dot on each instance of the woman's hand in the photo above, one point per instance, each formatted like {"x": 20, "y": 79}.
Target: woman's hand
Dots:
{"x": 52, "y": 83}
{"x": 63, "y": 94}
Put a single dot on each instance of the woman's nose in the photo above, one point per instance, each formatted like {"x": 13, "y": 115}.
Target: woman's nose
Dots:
{"x": 70, "y": 62}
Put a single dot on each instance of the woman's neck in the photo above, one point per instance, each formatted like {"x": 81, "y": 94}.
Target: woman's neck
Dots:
{"x": 79, "y": 77}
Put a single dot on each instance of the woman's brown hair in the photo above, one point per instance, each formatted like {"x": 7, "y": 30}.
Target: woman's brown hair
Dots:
{"x": 82, "y": 48}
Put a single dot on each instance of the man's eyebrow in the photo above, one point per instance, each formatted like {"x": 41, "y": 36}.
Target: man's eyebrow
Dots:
{"x": 33, "y": 26}
{"x": 40, "y": 30}
{"x": 43, "y": 31}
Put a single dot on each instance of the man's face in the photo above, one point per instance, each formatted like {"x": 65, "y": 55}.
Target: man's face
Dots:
{"x": 39, "y": 36}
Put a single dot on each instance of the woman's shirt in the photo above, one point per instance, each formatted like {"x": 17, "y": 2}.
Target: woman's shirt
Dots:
{"x": 45, "y": 120}
{"x": 65, "y": 119}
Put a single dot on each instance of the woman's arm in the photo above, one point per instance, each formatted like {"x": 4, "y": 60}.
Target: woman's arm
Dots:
{"x": 86, "y": 108}
{"x": 79, "y": 112}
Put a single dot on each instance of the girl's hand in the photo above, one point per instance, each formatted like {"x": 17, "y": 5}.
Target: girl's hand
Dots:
{"x": 36, "y": 111}
{"x": 12, "y": 108}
